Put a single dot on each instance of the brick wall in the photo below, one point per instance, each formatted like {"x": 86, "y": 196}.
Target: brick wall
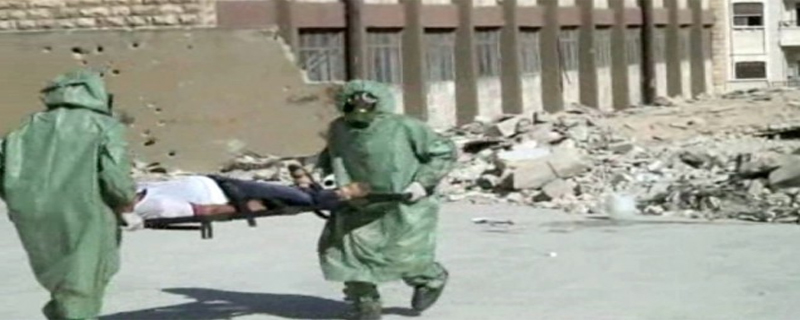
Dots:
{"x": 28, "y": 15}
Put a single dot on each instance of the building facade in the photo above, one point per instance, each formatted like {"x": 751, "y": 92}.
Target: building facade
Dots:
{"x": 453, "y": 61}
{"x": 760, "y": 43}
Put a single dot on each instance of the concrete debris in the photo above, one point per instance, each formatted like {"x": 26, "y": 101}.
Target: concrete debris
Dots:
{"x": 587, "y": 162}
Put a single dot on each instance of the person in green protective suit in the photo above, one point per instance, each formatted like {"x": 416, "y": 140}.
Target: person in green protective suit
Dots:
{"x": 65, "y": 172}
{"x": 365, "y": 245}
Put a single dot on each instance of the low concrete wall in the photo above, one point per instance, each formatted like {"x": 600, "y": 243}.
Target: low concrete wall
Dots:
{"x": 196, "y": 96}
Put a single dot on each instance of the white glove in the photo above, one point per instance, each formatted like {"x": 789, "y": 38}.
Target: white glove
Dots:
{"x": 133, "y": 222}
{"x": 417, "y": 191}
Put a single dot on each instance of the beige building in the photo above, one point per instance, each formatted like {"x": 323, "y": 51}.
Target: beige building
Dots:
{"x": 758, "y": 44}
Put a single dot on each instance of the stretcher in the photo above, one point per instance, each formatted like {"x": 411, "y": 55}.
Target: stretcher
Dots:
{"x": 205, "y": 223}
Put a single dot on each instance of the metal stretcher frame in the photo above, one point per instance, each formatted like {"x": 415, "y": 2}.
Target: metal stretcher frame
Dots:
{"x": 205, "y": 223}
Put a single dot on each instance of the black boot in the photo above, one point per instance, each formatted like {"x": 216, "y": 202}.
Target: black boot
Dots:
{"x": 366, "y": 310}
{"x": 424, "y": 297}
{"x": 366, "y": 301}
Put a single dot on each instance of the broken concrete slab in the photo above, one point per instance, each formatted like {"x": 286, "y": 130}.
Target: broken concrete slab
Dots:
{"x": 535, "y": 173}
{"x": 786, "y": 176}
{"x": 505, "y": 128}
{"x": 556, "y": 189}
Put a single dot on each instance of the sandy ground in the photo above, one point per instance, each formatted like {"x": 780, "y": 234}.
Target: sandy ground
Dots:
{"x": 652, "y": 269}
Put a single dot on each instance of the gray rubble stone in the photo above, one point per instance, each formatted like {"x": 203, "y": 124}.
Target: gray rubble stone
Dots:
{"x": 786, "y": 176}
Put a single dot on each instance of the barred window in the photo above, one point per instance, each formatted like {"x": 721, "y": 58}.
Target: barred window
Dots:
{"x": 384, "y": 55}
{"x": 685, "y": 43}
{"x": 321, "y": 54}
{"x": 530, "y": 52}
{"x": 633, "y": 46}
{"x": 487, "y": 47}
{"x": 602, "y": 46}
{"x": 751, "y": 70}
{"x": 440, "y": 55}
{"x": 659, "y": 45}
{"x": 568, "y": 49}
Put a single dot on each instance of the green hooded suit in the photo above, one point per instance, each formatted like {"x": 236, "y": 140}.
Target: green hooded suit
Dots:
{"x": 392, "y": 241}
{"x": 62, "y": 173}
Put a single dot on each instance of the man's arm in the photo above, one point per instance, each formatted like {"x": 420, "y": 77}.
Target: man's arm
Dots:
{"x": 117, "y": 185}
{"x": 436, "y": 154}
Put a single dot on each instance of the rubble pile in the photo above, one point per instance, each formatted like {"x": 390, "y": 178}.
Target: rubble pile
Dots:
{"x": 569, "y": 161}
{"x": 692, "y": 164}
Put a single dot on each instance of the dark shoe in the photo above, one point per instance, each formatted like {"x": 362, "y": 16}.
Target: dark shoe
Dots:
{"x": 425, "y": 297}
{"x": 365, "y": 310}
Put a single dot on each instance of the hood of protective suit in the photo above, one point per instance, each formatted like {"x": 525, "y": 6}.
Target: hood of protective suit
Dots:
{"x": 77, "y": 89}
{"x": 381, "y": 91}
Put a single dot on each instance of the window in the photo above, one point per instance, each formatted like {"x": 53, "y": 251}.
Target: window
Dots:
{"x": 633, "y": 46}
{"x": 659, "y": 45}
{"x": 384, "y": 56}
{"x": 568, "y": 49}
{"x": 487, "y": 47}
{"x": 440, "y": 55}
{"x": 321, "y": 54}
{"x": 751, "y": 70}
{"x": 529, "y": 52}
{"x": 748, "y": 14}
{"x": 602, "y": 46}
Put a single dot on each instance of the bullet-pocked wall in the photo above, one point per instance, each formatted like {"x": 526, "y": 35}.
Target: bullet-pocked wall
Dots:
{"x": 455, "y": 61}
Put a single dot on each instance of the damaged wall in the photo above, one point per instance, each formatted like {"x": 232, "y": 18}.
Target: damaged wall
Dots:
{"x": 196, "y": 96}
{"x": 24, "y": 15}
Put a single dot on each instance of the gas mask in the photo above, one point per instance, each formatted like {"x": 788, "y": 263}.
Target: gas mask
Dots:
{"x": 360, "y": 109}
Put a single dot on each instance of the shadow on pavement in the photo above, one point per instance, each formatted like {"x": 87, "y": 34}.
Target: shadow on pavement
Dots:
{"x": 218, "y": 304}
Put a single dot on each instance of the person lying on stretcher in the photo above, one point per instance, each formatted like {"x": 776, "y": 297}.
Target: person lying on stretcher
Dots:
{"x": 212, "y": 195}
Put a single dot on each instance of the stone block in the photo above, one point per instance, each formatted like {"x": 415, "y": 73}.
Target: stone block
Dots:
{"x": 170, "y": 9}
{"x": 46, "y": 3}
{"x": 65, "y": 13}
{"x": 8, "y": 25}
{"x": 40, "y": 14}
{"x": 85, "y": 3}
{"x": 556, "y": 189}
{"x": 95, "y": 12}
{"x": 112, "y": 21}
{"x": 168, "y": 20}
{"x": 505, "y": 128}
{"x": 144, "y": 10}
{"x": 136, "y": 21}
{"x": 26, "y": 24}
{"x": 786, "y": 176}
{"x": 47, "y": 24}
{"x": 120, "y": 11}
{"x": 86, "y": 22}
{"x": 537, "y": 172}
{"x": 189, "y": 19}
{"x": 17, "y": 14}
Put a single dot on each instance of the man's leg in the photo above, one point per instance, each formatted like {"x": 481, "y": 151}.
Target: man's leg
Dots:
{"x": 428, "y": 286}
{"x": 366, "y": 300}
{"x": 55, "y": 309}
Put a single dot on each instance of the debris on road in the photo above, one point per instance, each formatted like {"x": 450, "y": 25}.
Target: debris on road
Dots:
{"x": 729, "y": 157}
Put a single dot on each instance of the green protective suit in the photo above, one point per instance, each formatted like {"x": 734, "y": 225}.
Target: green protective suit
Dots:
{"x": 391, "y": 241}
{"x": 63, "y": 170}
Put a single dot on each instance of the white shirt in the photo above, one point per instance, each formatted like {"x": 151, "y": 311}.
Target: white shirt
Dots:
{"x": 174, "y": 198}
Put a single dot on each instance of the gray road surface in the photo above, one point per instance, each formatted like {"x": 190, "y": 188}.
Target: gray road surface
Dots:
{"x": 600, "y": 270}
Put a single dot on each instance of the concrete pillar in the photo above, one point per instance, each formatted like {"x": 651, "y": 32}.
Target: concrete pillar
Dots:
{"x": 511, "y": 73}
{"x": 288, "y": 30}
{"x": 552, "y": 97}
{"x": 697, "y": 57}
{"x": 356, "y": 39}
{"x": 673, "y": 51}
{"x": 619, "y": 56}
{"x": 414, "y": 76}
{"x": 586, "y": 53}
{"x": 467, "y": 105}
{"x": 648, "y": 58}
